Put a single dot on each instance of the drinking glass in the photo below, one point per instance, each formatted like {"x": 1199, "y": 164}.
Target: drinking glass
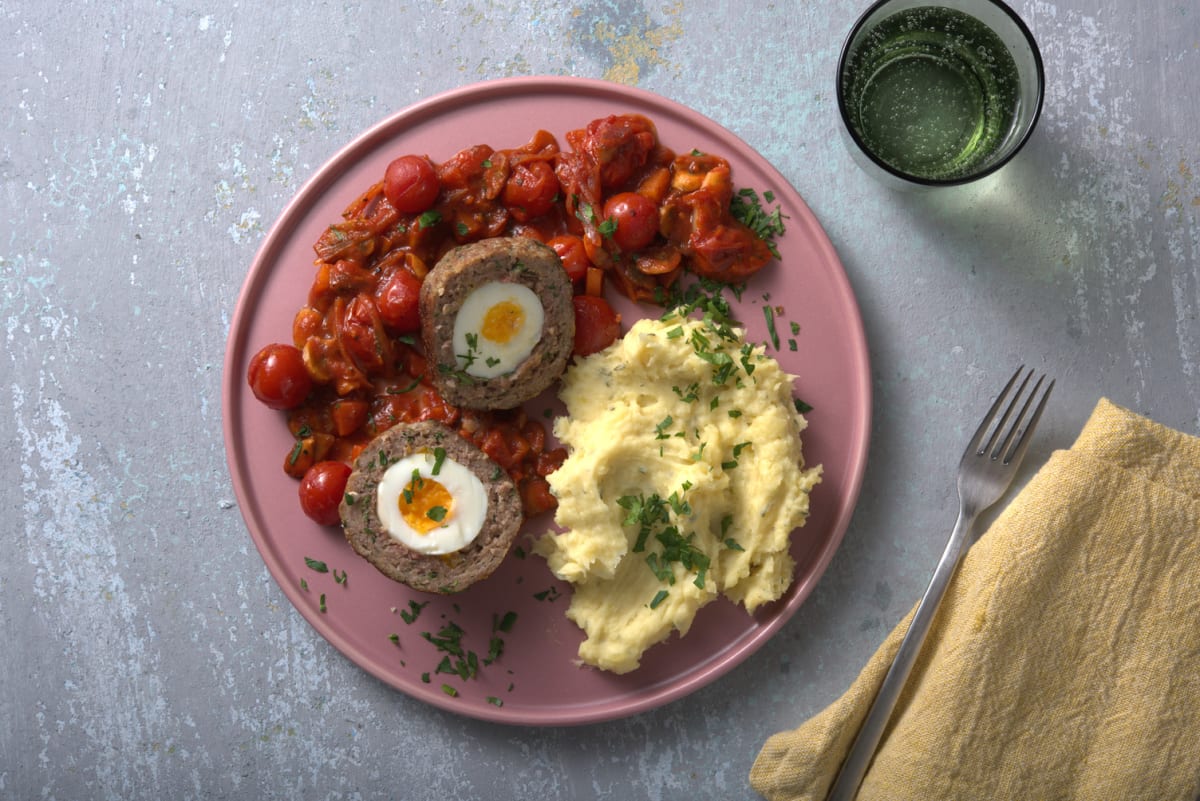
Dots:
{"x": 938, "y": 92}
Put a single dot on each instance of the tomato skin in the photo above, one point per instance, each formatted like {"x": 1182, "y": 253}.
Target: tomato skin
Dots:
{"x": 536, "y": 497}
{"x": 397, "y": 299}
{"x": 410, "y": 184}
{"x": 636, "y": 217}
{"x": 597, "y": 325}
{"x": 362, "y": 338}
{"x": 322, "y": 490}
{"x": 278, "y": 377}
{"x": 531, "y": 190}
{"x": 573, "y": 255}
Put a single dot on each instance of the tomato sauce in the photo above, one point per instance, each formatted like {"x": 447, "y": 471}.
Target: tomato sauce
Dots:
{"x": 617, "y": 207}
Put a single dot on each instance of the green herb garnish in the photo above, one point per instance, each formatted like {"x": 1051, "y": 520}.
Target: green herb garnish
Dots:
{"x": 416, "y": 382}
{"x": 747, "y": 208}
{"x": 413, "y": 612}
{"x": 769, "y": 314}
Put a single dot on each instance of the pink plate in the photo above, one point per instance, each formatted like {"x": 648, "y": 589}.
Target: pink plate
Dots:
{"x": 537, "y": 679}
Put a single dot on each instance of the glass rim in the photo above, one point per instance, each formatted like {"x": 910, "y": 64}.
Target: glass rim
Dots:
{"x": 934, "y": 182}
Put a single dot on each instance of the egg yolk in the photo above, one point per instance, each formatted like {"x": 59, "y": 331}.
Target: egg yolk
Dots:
{"x": 425, "y": 504}
{"x": 503, "y": 321}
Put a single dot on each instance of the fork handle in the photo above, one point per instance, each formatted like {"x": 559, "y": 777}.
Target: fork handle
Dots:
{"x": 867, "y": 740}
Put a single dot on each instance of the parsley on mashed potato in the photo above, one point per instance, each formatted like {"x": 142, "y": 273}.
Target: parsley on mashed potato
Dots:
{"x": 684, "y": 481}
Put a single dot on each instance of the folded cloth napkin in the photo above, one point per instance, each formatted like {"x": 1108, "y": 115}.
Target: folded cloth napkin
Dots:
{"x": 1065, "y": 660}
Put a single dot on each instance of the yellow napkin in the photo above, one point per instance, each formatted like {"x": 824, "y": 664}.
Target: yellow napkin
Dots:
{"x": 1065, "y": 660}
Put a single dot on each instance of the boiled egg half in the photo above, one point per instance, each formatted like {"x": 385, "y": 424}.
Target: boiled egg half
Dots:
{"x": 430, "y": 503}
{"x": 496, "y": 328}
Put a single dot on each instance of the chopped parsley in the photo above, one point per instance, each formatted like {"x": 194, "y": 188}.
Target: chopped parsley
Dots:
{"x": 472, "y": 353}
{"x": 657, "y": 517}
{"x": 414, "y": 484}
{"x": 689, "y": 394}
{"x": 416, "y": 382}
{"x": 747, "y": 208}
{"x": 769, "y": 314}
{"x": 316, "y": 564}
{"x": 411, "y": 614}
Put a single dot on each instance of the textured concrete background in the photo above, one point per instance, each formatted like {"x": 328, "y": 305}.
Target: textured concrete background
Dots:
{"x": 146, "y": 148}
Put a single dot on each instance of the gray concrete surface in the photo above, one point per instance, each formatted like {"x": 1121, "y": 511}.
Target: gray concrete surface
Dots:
{"x": 147, "y": 146}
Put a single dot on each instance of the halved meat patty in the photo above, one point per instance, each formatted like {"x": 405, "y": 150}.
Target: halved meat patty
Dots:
{"x": 497, "y": 322}
{"x": 365, "y": 508}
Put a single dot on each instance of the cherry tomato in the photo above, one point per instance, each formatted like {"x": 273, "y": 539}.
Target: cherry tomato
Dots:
{"x": 596, "y": 324}
{"x": 531, "y": 190}
{"x": 636, "y": 218}
{"x": 397, "y": 299}
{"x": 321, "y": 491}
{"x": 278, "y": 377}
{"x": 410, "y": 184}
{"x": 573, "y": 255}
{"x": 620, "y": 145}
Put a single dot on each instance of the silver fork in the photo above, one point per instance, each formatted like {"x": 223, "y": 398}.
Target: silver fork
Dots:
{"x": 984, "y": 475}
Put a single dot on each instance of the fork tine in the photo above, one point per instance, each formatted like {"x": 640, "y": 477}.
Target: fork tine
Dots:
{"x": 1003, "y": 421}
{"x": 1002, "y": 446}
{"x": 976, "y": 446}
{"x": 1017, "y": 452}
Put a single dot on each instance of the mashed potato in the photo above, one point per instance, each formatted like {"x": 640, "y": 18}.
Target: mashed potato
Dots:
{"x": 684, "y": 481}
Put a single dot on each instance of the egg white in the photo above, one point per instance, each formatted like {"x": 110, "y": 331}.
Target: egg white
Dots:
{"x": 485, "y": 358}
{"x": 465, "y": 519}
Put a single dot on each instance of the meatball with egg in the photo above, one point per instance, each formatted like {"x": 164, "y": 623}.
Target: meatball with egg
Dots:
{"x": 497, "y": 322}
{"x": 429, "y": 509}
